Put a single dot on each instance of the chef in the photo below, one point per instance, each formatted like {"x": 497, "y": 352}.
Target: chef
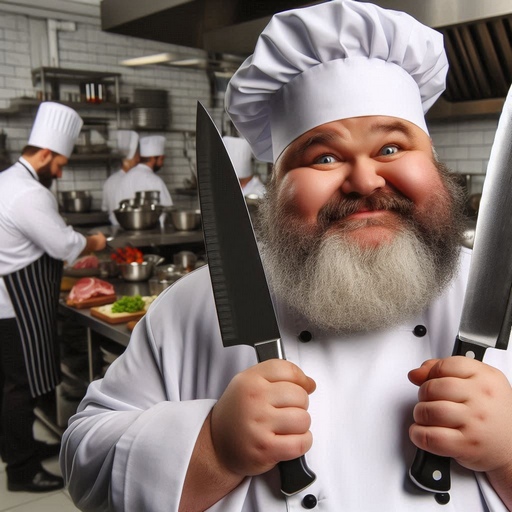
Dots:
{"x": 143, "y": 176}
{"x": 128, "y": 148}
{"x": 34, "y": 241}
{"x": 360, "y": 236}
{"x": 241, "y": 156}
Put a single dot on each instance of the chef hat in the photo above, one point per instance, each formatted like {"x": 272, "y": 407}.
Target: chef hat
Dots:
{"x": 127, "y": 143}
{"x": 240, "y": 154}
{"x": 152, "y": 146}
{"x": 331, "y": 61}
{"x": 56, "y": 127}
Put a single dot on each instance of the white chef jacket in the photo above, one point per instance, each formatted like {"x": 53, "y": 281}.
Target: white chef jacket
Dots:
{"x": 255, "y": 186}
{"x": 142, "y": 177}
{"x": 30, "y": 225}
{"x": 112, "y": 195}
{"x": 134, "y": 433}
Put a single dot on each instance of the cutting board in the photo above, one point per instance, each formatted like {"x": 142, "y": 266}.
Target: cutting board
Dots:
{"x": 93, "y": 301}
{"x": 105, "y": 313}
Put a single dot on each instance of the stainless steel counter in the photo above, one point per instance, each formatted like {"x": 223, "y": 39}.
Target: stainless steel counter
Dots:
{"x": 166, "y": 235}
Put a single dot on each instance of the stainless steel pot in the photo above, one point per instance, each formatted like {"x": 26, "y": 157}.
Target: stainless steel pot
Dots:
{"x": 152, "y": 196}
{"x": 76, "y": 201}
{"x": 186, "y": 220}
{"x": 136, "y": 271}
{"x": 138, "y": 218}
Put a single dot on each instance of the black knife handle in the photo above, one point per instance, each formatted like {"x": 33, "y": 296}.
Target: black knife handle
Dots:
{"x": 432, "y": 472}
{"x": 295, "y": 474}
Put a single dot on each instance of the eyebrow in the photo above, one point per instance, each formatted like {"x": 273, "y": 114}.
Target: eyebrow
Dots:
{"x": 395, "y": 126}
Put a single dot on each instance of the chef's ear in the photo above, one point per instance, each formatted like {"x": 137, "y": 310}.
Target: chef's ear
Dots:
{"x": 44, "y": 156}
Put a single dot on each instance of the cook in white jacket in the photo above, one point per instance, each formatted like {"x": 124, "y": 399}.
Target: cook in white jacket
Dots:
{"x": 360, "y": 239}
{"x": 128, "y": 148}
{"x": 142, "y": 177}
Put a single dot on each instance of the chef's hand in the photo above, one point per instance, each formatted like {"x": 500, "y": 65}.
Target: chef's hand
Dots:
{"x": 96, "y": 242}
{"x": 262, "y": 419}
{"x": 465, "y": 412}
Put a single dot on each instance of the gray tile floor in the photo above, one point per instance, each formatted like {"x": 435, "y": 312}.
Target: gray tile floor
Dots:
{"x": 58, "y": 501}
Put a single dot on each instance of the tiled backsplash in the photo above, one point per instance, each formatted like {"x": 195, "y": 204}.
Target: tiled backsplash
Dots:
{"x": 465, "y": 146}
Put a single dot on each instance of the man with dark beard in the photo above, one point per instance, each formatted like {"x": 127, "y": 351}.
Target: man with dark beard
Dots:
{"x": 34, "y": 241}
{"x": 360, "y": 238}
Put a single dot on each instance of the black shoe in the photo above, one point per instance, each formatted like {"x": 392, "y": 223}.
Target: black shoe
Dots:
{"x": 46, "y": 450}
{"x": 42, "y": 481}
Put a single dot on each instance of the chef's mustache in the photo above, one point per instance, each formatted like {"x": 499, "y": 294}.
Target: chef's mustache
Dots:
{"x": 338, "y": 208}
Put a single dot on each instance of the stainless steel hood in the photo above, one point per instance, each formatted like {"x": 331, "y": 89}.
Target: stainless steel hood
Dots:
{"x": 478, "y": 37}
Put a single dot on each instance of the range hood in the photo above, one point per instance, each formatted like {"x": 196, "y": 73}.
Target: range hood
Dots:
{"x": 478, "y": 38}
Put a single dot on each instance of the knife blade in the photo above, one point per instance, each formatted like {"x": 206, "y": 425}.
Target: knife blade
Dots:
{"x": 244, "y": 306}
{"x": 486, "y": 318}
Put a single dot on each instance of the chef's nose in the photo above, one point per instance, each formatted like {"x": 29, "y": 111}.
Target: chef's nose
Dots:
{"x": 363, "y": 178}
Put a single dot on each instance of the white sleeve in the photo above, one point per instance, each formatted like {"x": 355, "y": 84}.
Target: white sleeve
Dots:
{"x": 36, "y": 215}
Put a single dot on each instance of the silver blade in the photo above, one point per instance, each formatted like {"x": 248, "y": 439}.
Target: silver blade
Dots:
{"x": 244, "y": 307}
{"x": 486, "y": 314}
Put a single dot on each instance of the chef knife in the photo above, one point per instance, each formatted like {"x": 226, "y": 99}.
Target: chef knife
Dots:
{"x": 487, "y": 309}
{"x": 244, "y": 306}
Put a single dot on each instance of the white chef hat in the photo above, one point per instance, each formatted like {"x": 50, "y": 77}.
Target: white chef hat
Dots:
{"x": 152, "y": 145}
{"x": 240, "y": 154}
{"x": 331, "y": 61}
{"x": 127, "y": 143}
{"x": 56, "y": 127}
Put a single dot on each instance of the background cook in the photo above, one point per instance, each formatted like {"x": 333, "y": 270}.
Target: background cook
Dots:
{"x": 34, "y": 241}
{"x": 128, "y": 148}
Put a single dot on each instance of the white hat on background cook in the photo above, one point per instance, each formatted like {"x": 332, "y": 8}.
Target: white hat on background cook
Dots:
{"x": 56, "y": 127}
{"x": 152, "y": 146}
{"x": 240, "y": 154}
{"x": 127, "y": 143}
{"x": 331, "y": 61}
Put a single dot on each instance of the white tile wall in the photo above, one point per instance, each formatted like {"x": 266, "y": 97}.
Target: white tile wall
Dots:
{"x": 88, "y": 48}
{"x": 465, "y": 146}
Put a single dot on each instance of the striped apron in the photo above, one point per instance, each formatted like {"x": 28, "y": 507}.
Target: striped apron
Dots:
{"x": 34, "y": 292}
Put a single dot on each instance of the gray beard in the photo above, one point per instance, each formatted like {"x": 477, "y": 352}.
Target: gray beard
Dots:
{"x": 341, "y": 287}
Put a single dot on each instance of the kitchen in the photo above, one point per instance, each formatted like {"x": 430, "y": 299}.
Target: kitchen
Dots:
{"x": 463, "y": 142}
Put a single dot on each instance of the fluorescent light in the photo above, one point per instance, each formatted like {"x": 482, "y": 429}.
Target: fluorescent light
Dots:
{"x": 156, "y": 58}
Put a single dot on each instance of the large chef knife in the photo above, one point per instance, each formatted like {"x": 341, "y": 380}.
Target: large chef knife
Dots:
{"x": 487, "y": 310}
{"x": 244, "y": 307}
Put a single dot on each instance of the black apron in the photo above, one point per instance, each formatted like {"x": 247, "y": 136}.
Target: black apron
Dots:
{"x": 34, "y": 293}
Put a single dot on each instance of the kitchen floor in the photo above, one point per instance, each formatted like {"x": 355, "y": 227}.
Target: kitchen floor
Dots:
{"x": 58, "y": 501}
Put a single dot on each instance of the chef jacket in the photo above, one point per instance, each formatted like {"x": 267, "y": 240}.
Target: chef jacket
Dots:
{"x": 112, "y": 195}
{"x": 30, "y": 225}
{"x": 255, "y": 187}
{"x": 131, "y": 441}
{"x": 142, "y": 177}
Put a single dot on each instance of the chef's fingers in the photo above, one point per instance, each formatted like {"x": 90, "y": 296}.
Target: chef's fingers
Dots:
{"x": 443, "y": 441}
{"x": 288, "y": 394}
{"x": 446, "y": 388}
{"x": 295, "y": 421}
{"x": 275, "y": 370}
{"x": 419, "y": 375}
{"x": 441, "y": 414}
{"x": 289, "y": 447}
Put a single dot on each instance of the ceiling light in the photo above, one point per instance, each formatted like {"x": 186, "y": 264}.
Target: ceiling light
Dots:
{"x": 156, "y": 58}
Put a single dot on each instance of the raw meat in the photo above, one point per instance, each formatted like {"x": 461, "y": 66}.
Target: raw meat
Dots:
{"x": 88, "y": 287}
{"x": 90, "y": 261}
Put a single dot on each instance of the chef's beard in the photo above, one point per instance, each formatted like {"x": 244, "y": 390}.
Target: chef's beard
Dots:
{"x": 45, "y": 176}
{"x": 341, "y": 286}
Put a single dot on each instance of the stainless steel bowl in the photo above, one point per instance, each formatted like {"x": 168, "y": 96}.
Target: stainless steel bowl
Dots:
{"x": 76, "y": 201}
{"x": 136, "y": 271}
{"x": 138, "y": 218}
{"x": 186, "y": 220}
{"x": 151, "y": 195}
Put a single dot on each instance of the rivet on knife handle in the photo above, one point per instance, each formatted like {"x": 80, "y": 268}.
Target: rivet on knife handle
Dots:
{"x": 295, "y": 474}
{"x": 432, "y": 472}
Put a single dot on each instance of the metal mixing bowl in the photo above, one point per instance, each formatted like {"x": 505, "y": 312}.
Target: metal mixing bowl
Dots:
{"x": 186, "y": 220}
{"x": 138, "y": 218}
{"x": 136, "y": 271}
{"x": 76, "y": 201}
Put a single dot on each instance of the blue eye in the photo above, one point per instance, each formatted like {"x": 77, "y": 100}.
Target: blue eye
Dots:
{"x": 388, "y": 150}
{"x": 325, "y": 159}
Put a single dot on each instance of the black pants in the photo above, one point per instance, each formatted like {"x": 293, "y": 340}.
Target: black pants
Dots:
{"x": 17, "y": 445}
